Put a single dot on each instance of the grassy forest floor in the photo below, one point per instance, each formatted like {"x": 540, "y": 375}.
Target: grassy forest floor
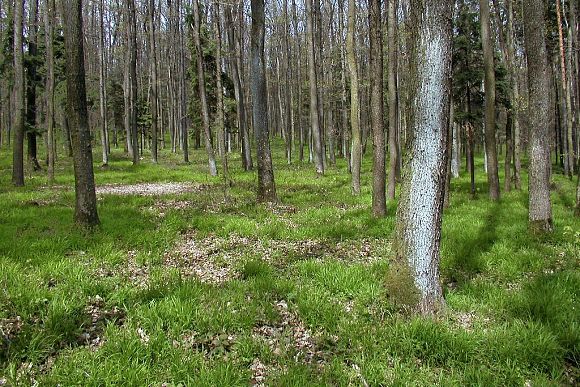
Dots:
{"x": 201, "y": 286}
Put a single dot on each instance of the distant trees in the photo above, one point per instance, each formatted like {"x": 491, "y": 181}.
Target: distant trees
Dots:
{"x": 86, "y": 201}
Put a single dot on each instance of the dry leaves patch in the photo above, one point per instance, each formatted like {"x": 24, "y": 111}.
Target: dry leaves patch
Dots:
{"x": 99, "y": 315}
{"x": 9, "y": 329}
{"x": 149, "y": 189}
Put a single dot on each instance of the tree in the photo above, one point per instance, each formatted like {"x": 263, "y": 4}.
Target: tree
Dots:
{"x": 49, "y": 18}
{"x": 86, "y": 201}
{"x": 102, "y": 87}
{"x": 312, "y": 76}
{"x": 202, "y": 91}
{"x": 393, "y": 99}
{"x": 266, "y": 185}
{"x": 489, "y": 84}
{"x": 377, "y": 119}
{"x": 131, "y": 112}
{"x": 220, "y": 121}
{"x": 354, "y": 98}
{"x": 540, "y": 206}
{"x": 421, "y": 205}
{"x": 153, "y": 64}
{"x": 18, "y": 96}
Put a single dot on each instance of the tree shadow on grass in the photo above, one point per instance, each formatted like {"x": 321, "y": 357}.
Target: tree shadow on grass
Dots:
{"x": 468, "y": 247}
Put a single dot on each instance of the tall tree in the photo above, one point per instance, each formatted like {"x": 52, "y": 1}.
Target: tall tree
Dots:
{"x": 49, "y": 19}
{"x": 266, "y": 185}
{"x": 86, "y": 201}
{"x": 540, "y": 206}
{"x": 132, "y": 78}
{"x": 421, "y": 205}
{"x": 489, "y": 84}
{"x": 154, "y": 94}
{"x": 393, "y": 99}
{"x": 18, "y": 98}
{"x": 377, "y": 119}
{"x": 220, "y": 121}
{"x": 515, "y": 94}
{"x": 102, "y": 86}
{"x": 202, "y": 91}
{"x": 354, "y": 98}
{"x": 313, "y": 80}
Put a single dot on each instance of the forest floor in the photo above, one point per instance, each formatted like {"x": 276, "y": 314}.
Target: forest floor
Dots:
{"x": 189, "y": 282}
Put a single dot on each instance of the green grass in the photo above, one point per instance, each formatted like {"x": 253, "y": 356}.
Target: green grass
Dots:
{"x": 512, "y": 298}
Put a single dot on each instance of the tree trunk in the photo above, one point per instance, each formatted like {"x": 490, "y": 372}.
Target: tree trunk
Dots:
{"x": 393, "y": 100}
{"x": 102, "y": 87}
{"x": 377, "y": 119}
{"x": 515, "y": 96}
{"x": 540, "y": 206}
{"x": 202, "y": 91}
{"x": 354, "y": 99}
{"x": 153, "y": 64}
{"x": 18, "y": 93}
{"x": 421, "y": 205}
{"x": 314, "y": 108}
{"x": 49, "y": 19}
{"x": 266, "y": 185}
{"x": 566, "y": 92}
{"x": 86, "y": 201}
{"x": 220, "y": 121}
{"x": 132, "y": 78}
{"x": 489, "y": 84}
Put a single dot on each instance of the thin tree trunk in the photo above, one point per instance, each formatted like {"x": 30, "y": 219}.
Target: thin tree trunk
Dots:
{"x": 393, "y": 99}
{"x": 49, "y": 19}
{"x": 266, "y": 185}
{"x": 86, "y": 201}
{"x": 220, "y": 121}
{"x": 202, "y": 91}
{"x": 515, "y": 96}
{"x": 314, "y": 108}
{"x": 540, "y": 207}
{"x": 420, "y": 210}
{"x": 354, "y": 99}
{"x": 153, "y": 64}
{"x": 102, "y": 86}
{"x": 566, "y": 92}
{"x": 489, "y": 84}
{"x": 377, "y": 118}
{"x": 18, "y": 96}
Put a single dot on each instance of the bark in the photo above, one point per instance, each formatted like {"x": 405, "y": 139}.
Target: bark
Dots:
{"x": 266, "y": 185}
{"x": 421, "y": 205}
{"x": 489, "y": 84}
{"x": 377, "y": 110}
{"x": 508, "y": 152}
{"x": 202, "y": 91}
{"x": 393, "y": 100}
{"x": 153, "y": 64}
{"x": 354, "y": 99}
{"x": 49, "y": 18}
{"x": 220, "y": 121}
{"x": 314, "y": 107}
{"x": 540, "y": 207}
{"x": 18, "y": 98}
{"x": 86, "y": 201}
